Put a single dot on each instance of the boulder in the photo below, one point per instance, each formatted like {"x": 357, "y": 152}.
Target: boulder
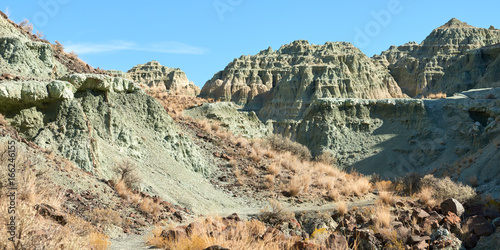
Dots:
{"x": 452, "y": 205}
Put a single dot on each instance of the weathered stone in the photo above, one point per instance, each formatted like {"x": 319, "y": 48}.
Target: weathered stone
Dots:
{"x": 175, "y": 234}
{"x": 48, "y": 211}
{"x": 335, "y": 241}
{"x": 451, "y": 59}
{"x": 302, "y": 245}
{"x": 284, "y": 82}
{"x": 154, "y": 75}
{"x": 480, "y": 225}
{"x": 452, "y": 205}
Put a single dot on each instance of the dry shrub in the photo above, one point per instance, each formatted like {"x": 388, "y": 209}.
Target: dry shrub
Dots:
{"x": 239, "y": 176}
{"x": 33, "y": 188}
{"x": 282, "y": 144}
{"x": 383, "y": 185}
{"x": 244, "y": 235}
{"x": 426, "y": 196}
{"x": 333, "y": 194}
{"x": 342, "y": 207}
{"x": 382, "y": 217}
{"x": 275, "y": 214}
{"x": 270, "y": 180}
{"x": 299, "y": 184}
{"x": 326, "y": 158}
{"x": 274, "y": 168}
{"x": 387, "y": 197}
{"x": 445, "y": 189}
{"x": 26, "y": 25}
{"x": 127, "y": 173}
{"x": 269, "y": 153}
{"x": 148, "y": 206}
{"x": 325, "y": 169}
{"x": 255, "y": 155}
{"x": 251, "y": 171}
{"x": 359, "y": 186}
{"x": 99, "y": 241}
{"x": 103, "y": 216}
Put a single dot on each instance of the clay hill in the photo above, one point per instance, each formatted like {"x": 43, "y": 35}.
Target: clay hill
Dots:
{"x": 286, "y": 81}
{"x": 453, "y": 58}
{"x": 154, "y": 75}
{"x": 306, "y": 147}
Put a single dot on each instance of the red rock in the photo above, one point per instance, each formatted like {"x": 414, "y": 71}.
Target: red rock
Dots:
{"x": 452, "y": 219}
{"x": 217, "y": 154}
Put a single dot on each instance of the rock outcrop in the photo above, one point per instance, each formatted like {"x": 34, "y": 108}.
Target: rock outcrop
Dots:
{"x": 154, "y": 75}
{"x": 453, "y": 58}
{"x": 284, "y": 82}
{"x": 21, "y": 55}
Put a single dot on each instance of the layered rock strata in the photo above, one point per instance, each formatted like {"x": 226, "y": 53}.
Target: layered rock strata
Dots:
{"x": 284, "y": 82}
{"x": 453, "y": 58}
{"x": 154, "y": 75}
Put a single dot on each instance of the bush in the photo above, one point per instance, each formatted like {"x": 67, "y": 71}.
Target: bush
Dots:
{"x": 280, "y": 144}
{"x": 127, "y": 173}
{"x": 445, "y": 189}
{"x": 275, "y": 214}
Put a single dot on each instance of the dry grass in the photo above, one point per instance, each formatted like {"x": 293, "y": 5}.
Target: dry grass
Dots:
{"x": 274, "y": 168}
{"x": 439, "y": 95}
{"x": 387, "y": 198}
{"x": 282, "y": 144}
{"x": 269, "y": 181}
{"x": 244, "y": 235}
{"x": 445, "y": 188}
{"x": 342, "y": 207}
{"x": 382, "y": 217}
{"x": 333, "y": 194}
{"x": 359, "y": 186}
{"x": 103, "y": 216}
{"x": 251, "y": 171}
{"x": 426, "y": 196}
{"x": 275, "y": 213}
{"x": 33, "y": 188}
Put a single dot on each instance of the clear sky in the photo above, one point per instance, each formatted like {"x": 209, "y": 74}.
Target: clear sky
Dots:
{"x": 202, "y": 37}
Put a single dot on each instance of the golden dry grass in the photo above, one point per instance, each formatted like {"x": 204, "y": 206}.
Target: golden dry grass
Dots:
{"x": 382, "y": 217}
{"x": 387, "y": 197}
{"x": 439, "y": 95}
{"x": 34, "y": 188}
{"x": 342, "y": 207}
{"x": 426, "y": 196}
{"x": 245, "y": 235}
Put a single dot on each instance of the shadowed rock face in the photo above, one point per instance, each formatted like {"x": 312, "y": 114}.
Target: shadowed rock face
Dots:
{"x": 155, "y": 75}
{"x": 283, "y": 82}
{"x": 453, "y": 58}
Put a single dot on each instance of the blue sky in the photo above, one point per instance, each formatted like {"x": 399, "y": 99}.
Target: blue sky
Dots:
{"x": 202, "y": 37}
